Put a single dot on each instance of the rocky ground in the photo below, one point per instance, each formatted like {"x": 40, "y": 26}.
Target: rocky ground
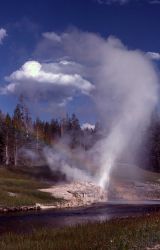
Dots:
{"x": 77, "y": 194}
{"x": 157, "y": 247}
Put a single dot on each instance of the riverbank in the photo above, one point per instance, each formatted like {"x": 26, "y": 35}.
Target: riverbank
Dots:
{"x": 79, "y": 194}
{"x": 20, "y": 190}
{"x": 125, "y": 185}
{"x": 140, "y": 232}
{"x": 4, "y": 210}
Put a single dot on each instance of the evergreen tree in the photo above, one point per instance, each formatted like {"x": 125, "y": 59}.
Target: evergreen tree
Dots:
{"x": 19, "y": 131}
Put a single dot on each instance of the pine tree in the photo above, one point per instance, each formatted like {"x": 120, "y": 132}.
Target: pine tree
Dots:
{"x": 19, "y": 131}
{"x": 2, "y": 138}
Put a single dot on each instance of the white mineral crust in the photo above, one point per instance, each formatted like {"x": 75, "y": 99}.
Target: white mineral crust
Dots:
{"x": 78, "y": 193}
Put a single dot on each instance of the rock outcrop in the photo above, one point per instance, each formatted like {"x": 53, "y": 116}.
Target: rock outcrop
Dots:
{"x": 77, "y": 194}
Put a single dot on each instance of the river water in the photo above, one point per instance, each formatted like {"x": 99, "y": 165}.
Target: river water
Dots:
{"x": 26, "y": 222}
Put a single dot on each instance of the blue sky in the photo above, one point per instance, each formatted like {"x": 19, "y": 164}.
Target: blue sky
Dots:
{"x": 134, "y": 22}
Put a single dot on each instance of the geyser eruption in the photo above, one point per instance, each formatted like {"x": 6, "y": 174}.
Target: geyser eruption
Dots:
{"x": 127, "y": 86}
{"x": 125, "y": 93}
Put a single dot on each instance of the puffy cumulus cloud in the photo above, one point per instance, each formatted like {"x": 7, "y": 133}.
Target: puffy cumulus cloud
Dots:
{"x": 153, "y": 55}
{"x": 52, "y": 82}
{"x": 87, "y": 126}
{"x": 3, "y": 34}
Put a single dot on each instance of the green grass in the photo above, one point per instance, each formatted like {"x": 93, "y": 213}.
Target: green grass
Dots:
{"x": 24, "y": 187}
{"x": 119, "y": 234}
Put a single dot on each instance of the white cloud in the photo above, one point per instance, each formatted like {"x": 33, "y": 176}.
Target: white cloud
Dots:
{"x": 153, "y": 55}
{"x": 3, "y": 34}
{"x": 52, "y": 36}
{"x": 52, "y": 82}
{"x": 98, "y": 56}
{"x": 87, "y": 126}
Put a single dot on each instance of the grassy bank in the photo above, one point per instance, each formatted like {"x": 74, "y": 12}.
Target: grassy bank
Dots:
{"x": 119, "y": 234}
{"x": 18, "y": 189}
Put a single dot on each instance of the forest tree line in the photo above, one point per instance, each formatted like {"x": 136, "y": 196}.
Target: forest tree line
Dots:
{"x": 19, "y": 133}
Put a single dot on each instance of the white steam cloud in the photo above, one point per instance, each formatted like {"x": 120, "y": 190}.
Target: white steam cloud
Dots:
{"x": 3, "y": 34}
{"x": 154, "y": 55}
{"x": 52, "y": 36}
{"x": 59, "y": 158}
{"x": 126, "y": 93}
{"x": 87, "y": 126}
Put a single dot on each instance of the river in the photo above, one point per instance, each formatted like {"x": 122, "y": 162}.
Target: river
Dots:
{"x": 26, "y": 222}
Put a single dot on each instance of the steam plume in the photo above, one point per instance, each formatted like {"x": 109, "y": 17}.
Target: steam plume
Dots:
{"x": 126, "y": 93}
{"x": 127, "y": 87}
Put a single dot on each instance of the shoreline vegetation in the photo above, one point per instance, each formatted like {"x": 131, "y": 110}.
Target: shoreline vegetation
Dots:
{"x": 25, "y": 189}
{"x": 20, "y": 191}
{"x": 142, "y": 232}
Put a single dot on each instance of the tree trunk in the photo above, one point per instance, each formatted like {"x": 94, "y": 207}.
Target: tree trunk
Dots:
{"x": 15, "y": 154}
{"x": 6, "y": 153}
{"x": 7, "y": 156}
